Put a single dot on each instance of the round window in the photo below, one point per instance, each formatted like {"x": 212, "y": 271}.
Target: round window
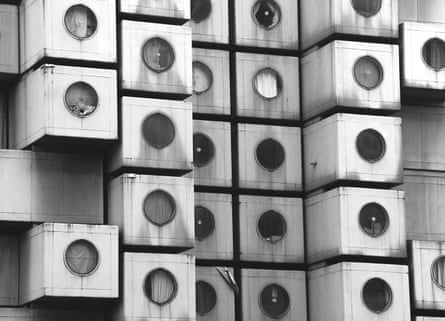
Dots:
{"x": 200, "y": 10}
{"x": 272, "y": 226}
{"x": 204, "y": 223}
{"x": 159, "y": 207}
{"x": 266, "y": 14}
{"x": 368, "y": 72}
{"x": 270, "y": 154}
{"x": 205, "y": 298}
{"x": 158, "y": 130}
{"x": 377, "y": 295}
{"x": 202, "y": 78}
{"x": 267, "y": 83}
{"x": 438, "y": 272}
{"x": 203, "y": 150}
{"x": 160, "y": 286}
{"x": 367, "y": 8}
{"x": 81, "y": 257}
{"x": 433, "y": 53}
{"x": 274, "y": 301}
{"x": 374, "y": 219}
{"x": 371, "y": 145}
{"x": 80, "y": 21}
{"x": 158, "y": 54}
{"x": 81, "y": 99}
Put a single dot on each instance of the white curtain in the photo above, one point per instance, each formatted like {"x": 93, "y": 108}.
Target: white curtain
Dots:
{"x": 162, "y": 286}
{"x": 159, "y": 207}
{"x": 79, "y": 22}
{"x": 81, "y": 257}
{"x": 266, "y": 83}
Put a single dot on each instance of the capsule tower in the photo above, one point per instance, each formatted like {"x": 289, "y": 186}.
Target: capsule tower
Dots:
{"x": 222, "y": 160}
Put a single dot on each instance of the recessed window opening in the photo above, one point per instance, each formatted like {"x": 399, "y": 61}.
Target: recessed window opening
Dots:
{"x": 371, "y": 145}
{"x": 266, "y": 14}
{"x": 81, "y": 257}
{"x": 205, "y": 298}
{"x": 159, "y": 207}
{"x": 81, "y": 99}
{"x": 204, "y": 223}
{"x": 374, "y": 219}
{"x": 377, "y": 295}
{"x": 160, "y": 286}
{"x": 158, "y": 130}
{"x": 274, "y": 301}
{"x": 272, "y": 226}
{"x": 80, "y": 21}
{"x": 158, "y": 55}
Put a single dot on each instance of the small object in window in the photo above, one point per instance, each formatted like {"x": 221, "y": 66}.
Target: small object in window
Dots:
{"x": 158, "y": 130}
{"x": 373, "y": 219}
{"x": 160, "y": 287}
{"x": 158, "y": 55}
{"x": 274, "y": 301}
{"x": 159, "y": 207}
{"x": 200, "y": 10}
{"x": 368, "y": 72}
{"x": 433, "y": 53}
{"x": 270, "y": 154}
{"x": 80, "y": 21}
{"x": 202, "y": 78}
{"x": 266, "y": 14}
{"x": 205, "y": 298}
{"x": 371, "y": 145}
{"x": 267, "y": 83}
{"x": 203, "y": 150}
{"x": 367, "y": 8}
{"x": 204, "y": 223}
{"x": 377, "y": 295}
{"x": 81, "y": 257}
{"x": 81, "y": 99}
{"x": 272, "y": 226}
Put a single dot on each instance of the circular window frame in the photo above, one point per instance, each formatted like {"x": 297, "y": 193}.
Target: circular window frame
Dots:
{"x": 147, "y": 65}
{"x": 171, "y": 121}
{"x": 66, "y": 103}
{"x": 385, "y": 212}
{"x": 279, "y": 79}
{"x": 380, "y": 136}
{"x": 175, "y": 282}
{"x": 252, "y": 14}
{"x": 68, "y": 30}
{"x": 214, "y": 291}
{"x": 200, "y": 63}
{"x": 262, "y": 308}
{"x": 214, "y": 151}
{"x": 436, "y": 283}
{"x": 99, "y": 258}
{"x": 423, "y": 58}
{"x": 258, "y": 227}
{"x": 202, "y": 20}
{"x": 388, "y": 305}
{"x": 173, "y": 202}
{"x": 379, "y": 66}
{"x": 366, "y": 15}
{"x": 213, "y": 227}
{"x": 259, "y": 163}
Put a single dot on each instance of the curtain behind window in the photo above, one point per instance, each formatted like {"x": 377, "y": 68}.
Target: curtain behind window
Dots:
{"x": 82, "y": 257}
{"x": 267, "y": 84}
{"x": 159, "y": 207}
{"x": 161, "y": 287}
